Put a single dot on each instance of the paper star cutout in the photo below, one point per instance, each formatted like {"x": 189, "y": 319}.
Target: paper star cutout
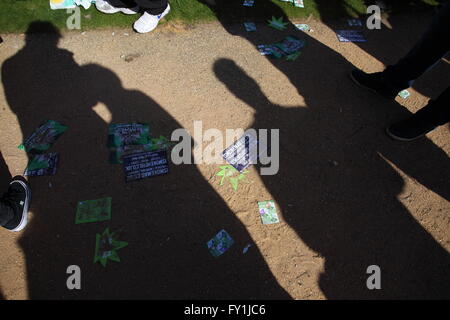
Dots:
{"x": 278, "y": 24}
{"x": 228, "y": 171}
{"x": 106, "y": 247}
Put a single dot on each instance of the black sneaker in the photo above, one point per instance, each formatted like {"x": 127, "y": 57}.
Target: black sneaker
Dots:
{"x": 18, "y": 198}
{"x": 375, "y": 82}
{"x": 409, "y": 129}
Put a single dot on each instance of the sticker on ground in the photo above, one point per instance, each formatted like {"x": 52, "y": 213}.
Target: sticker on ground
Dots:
{"x": 268, "y": 212}
{"x": 404, "y": 94}
{"x": 220, "y": 243}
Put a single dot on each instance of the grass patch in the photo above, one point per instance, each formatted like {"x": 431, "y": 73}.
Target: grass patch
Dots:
{"x": 16, "y": 15}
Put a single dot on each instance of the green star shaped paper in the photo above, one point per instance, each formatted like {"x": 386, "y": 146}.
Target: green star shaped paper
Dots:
{"x": 278, "y": 24}
{"x": 106, "y": 246}
{"x": 228, "y": 171}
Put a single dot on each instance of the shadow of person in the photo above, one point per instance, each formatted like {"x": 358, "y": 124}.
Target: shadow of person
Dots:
{"x": 386, "y": 45}
{"x": 398, "y": 34}
{"x": 166, "y": 220}
{"x": 344, "y": 188}
{"x": 321, "y": 70}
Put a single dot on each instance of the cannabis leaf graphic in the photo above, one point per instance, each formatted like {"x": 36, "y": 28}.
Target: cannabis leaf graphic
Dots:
{"x": 229, "y": 171}
{"x": 106, "y": 247}
{"x": 278, "y": 24}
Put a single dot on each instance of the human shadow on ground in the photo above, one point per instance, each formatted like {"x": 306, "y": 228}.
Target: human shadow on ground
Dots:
{"x": 345, "y": 193}
{"x": 403, "y": 24}
{"x": 386, "y": 45}
{"x": 166, "y": 220}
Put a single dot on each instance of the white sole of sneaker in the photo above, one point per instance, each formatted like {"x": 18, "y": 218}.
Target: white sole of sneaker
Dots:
{"x": 130, "y": 11}
{"x": 24, "y": 220}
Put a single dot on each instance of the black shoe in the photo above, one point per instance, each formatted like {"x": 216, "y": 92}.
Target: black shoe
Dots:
{"x": 18, "y": 198}
{"x": 410, "y": 129}
{"x": 375, "y": 82}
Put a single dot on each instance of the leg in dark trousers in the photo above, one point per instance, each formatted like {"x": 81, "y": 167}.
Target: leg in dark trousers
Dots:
{"x": 122, "y": 3}
{"x": 6, "y": 213}
{"x": 154, "y": 7}
{"x": 433, "y": 46}
{"x": 15, "y": 201}
{"x": 436, "y": 113}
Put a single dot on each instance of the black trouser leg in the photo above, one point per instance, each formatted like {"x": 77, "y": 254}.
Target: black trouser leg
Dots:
{"x": 122, "y": 3}
{"x": 6, "y": 213}
{"x": 433, "y": 45}
{"x": 154, "y": 7}
{"x": 437, "y": 112}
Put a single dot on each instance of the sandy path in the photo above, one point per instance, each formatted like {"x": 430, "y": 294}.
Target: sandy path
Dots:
{"x": 347, "y": 195}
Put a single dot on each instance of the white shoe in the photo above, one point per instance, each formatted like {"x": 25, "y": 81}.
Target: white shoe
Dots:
{"x": 105, "y": 7}
{"x": 148, "y": 22}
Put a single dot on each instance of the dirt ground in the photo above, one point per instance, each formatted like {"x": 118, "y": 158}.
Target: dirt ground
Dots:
{"x": 348, "y": 196}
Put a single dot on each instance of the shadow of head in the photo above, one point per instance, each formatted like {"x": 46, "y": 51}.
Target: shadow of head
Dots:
{"x": 46, "y": 31}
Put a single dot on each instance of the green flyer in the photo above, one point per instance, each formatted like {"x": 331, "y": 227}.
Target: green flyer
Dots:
{"x": 43, "y": 138}
{"x": 93, "y": 210}
{"x": 120, "y": 134}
